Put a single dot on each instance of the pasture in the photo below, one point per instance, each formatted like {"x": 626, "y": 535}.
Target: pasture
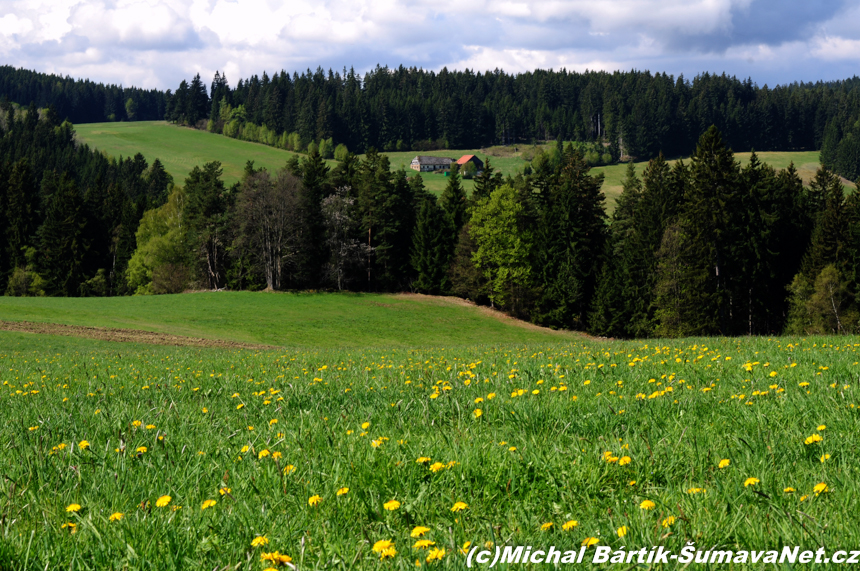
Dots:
{"x": 363, "y": 449}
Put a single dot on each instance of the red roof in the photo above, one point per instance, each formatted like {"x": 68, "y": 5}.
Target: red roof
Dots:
{"x": 465, "y": 159}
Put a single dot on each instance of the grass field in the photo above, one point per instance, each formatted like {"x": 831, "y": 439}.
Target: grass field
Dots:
{"x": 180, "y": 149}
{"x": 124, "y": 457}
{"x": 286, "y": 319}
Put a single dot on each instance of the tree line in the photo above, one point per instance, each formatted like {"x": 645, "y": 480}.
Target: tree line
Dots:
{"x": 697, "y": 247}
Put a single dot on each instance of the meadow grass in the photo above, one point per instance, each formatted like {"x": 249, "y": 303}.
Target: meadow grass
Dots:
{"x": 319, "y": 320}
{"x": 180, "y": 149}
{"x": 573, "y": 434}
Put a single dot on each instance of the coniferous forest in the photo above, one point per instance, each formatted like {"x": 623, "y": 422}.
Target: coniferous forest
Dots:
{"x": 696, "y": 248}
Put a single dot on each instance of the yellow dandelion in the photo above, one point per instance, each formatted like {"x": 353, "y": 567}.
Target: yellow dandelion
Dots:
{"x": 436, "y": 554}
{"x": 141, "y": 449}
{"x": 391, "y": 505}
{"x": 163, "y": 501}
{"x": 589, "y": 541}
{"x": 365, "y": 425}
{"x": 647, "y": 505}
{"x": 83, "y": 444}
{"x": 419, "y": 530}
{"x": 813, "y": 439}
{"x": 260, "y": 541}
{"x": 668, "y": 521}
{"x": 136, "y": 423}
{"x": 570, "y": 524}
{"x": 546, "y": 527}
{"x": 224, "y": 491}
{"x": 207, "y": 504}
{"x": 751, "y": 482}
{"x": 262, "y": 454}
{"x": 342, "y": 491}
{"x": 459, "y": 506}
{"x": 436, "y": 466}
{"x": 71, "y": 508}
{"x": 724, "y": 463}
{"x": 422, "y": 460}
{"x": 423, "y": 544}
{"x": 822, "y": 427}
{"x": 314, "y": 501}
{"x": 387, "y": 553}
{"x": 820, "y": 488}
{"x": 789, "y": 490}
{"x": 289, "y": 468}
{"x": 70, "y": 526}
{"x": 624, "y": 460}
{"x": 622, "y": 531}
{"x": 477, "y": 413}
{"x": 382, "y": 545}
{"x": 824, "y": 457}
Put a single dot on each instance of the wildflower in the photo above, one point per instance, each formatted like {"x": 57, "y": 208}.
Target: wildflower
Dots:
{"x": 207, "y": 504}
{"x": 163, "y": 501}
{"x": 71, "y": 508}
{"x": 277, "y": 455}
{"x": 724, "y": 463}
{"x": 289, "y": 468}
{"x": 624, "y": 461}
{"x": 751, "y": 482}
{"x": 822, "y": 427}
{"x": 803, "y": 498}
{"x": 436, "y": 554}
{"x": 589, "y": 541}
{"x": 422, "y": 460}
{"x": 276, "y": 558}
{"x": 390, "y": 552}
{"x": 813, "y": 439}
{"x": 824, "y": 457}
{"x": 136, "y": 424}
{"x": 491, "y": 396}
{"x": 423, "y": 544}
{"x": 224, "y": 491}
{"x": 70, "y": 526}
{"x": 668, "y": 521}
{"x": 419, "y": 530}
{"x": 141, "y": 449}
{"x": 365, "y": 425}
{"x": 436, "y": 466}
{"x": 459, "y": 506}
{"x": 570, "y": 524}
{"x": 820, "y": 488}
{"x": 116, "y": 516}
{"x": 150, "y": 427}
{"x": 477, "y": 413}
{"x": 260, "y": 541}
{"x": 789, "y": 490}
{"x": 647, "y": 505}
{"x": 622, "y": 531}
{"x": 696, "y": 491}
{"x": 314, "y": 501}
{"x": 342, "y": 491}
{"x": 546, "y": 527}
{"x": 391, "y": 505}
{"x": 464, "y": 549}
{"x": 631, "y": 483}
{"x": 384, "y": 546}
{"x": 83, "y": 444}
{"x": 262, "y": 454}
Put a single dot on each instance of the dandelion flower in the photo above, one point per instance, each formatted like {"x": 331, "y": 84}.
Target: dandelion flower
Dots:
{"x": 423, "y": 544}
{"x": 477, "y": 413}
{"x": 789, "y": 490}
{"x": 724, "y": 463}
{"x": 813, "y": 439}
{"x": 163, "y": 501}
{"x": 260, "y": 541}
{"x": 751, "y": 482}
{"x": 436, "y": 466}
{"x": 622, "y": 531}
{"x": 83, "y": 444}
{"x": 391, "y": 505}
{"x": 224, "y": 491}
{"x": 459, "y": 506}
{"x": 822, "y": 427}
{"x": 70, "y": 526}
{"x": 116, "y": 516}
{"x": 422, "y": 460}
{"x": 820, "y": 488}
{"x": 387, "y": 553}
{"x": 668, "y": 521}
{"x": 289, "y": 468}
{"x": 365, "y": 425}
{"x": 141, "y": 449}
{"x": 150, "y": 427}
{"x": 342, "y": 491}
{"x": 276, "y": 558}
{"x": 824, "y": 457}
{"x": 314, "y": 501}
{"x": 647, "y": 505}
{"x": 436, "y": 554}
{"x": 570, "y": 524}
{"x": 546, "y": 527}
{"x": 624, "y": 460}
{"x": 207, "y": 504}
{"x": 136, "y": 423}
{"x": 419, "y": 530}
{"x": 262, "y": 454}
{"x": 71, "y": 508}
{"x": 589, "y": 541}
{"x": 382, "y": 545}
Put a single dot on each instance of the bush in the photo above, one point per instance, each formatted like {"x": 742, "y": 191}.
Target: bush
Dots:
{"x": 341, "y": 152}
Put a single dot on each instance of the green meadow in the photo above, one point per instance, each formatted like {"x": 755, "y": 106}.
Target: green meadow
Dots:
{"x": 364, "y": 450}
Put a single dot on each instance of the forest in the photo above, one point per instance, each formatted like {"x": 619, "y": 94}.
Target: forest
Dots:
{"x": 701, "y": 247}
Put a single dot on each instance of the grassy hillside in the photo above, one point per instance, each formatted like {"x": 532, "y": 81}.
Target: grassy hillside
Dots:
{"x": 180, "y": 149}
{"x": 284, "y": 319}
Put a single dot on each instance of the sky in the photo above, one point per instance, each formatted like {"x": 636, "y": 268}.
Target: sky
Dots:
{"x": 157, "y": 43}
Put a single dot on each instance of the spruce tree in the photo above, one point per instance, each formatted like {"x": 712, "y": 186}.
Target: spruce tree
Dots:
{"x": 453, "y": 200}
{"x": 431, "y": 249}
{"x": 62, "y": 245}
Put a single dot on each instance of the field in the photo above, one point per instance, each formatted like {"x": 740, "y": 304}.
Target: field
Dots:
{"x": 180, "y": 149}
{"x": 362, "y": 449}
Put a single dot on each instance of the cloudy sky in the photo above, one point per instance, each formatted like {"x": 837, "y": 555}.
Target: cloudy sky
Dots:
{"x": 156, "y": 43}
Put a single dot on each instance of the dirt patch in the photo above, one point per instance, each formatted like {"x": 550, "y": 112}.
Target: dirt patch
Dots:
{"x": 500, "y": 315}
{"x": 125, "y": 335}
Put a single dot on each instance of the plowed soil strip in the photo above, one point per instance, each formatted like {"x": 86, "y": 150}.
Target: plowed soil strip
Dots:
{"x": 125, "y": 335}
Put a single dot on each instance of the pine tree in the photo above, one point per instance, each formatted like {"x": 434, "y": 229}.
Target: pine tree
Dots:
{"x": 205, "y": 220}
{"x": 62, "y": 246}
{"x": 431, "y": 249}
{"x": 453, "y": 200}
{"x": 20, "y": 212}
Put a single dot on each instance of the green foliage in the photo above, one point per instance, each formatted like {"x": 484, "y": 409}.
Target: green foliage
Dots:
{"x": 432, "y": 249}
{"x": 205, "y": 219}
{"x": 160, "y": 249}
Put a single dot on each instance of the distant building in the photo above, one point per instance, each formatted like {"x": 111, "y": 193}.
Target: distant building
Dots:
{"x": 479, "y": 164}
{"x": 423, "y": 163}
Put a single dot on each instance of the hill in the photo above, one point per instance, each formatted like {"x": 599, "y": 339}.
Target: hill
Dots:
{"x": 287, "y": 319}
{"x": 180, "y": 148}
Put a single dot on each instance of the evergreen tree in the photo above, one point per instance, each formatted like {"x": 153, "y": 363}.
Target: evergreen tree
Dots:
{"x": 432, "y": 249}
{"x": 62, "y": 246}
{"x": 205, "y": 219}
{"x": 453, "y": 200}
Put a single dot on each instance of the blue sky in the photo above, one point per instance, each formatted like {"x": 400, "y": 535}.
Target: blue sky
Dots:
{"x": 157, "y": 43}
